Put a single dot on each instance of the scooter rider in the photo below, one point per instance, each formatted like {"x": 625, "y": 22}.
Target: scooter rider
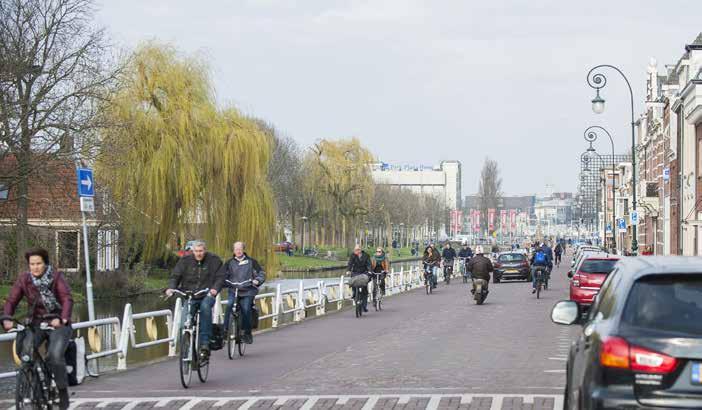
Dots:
{"x": 480, "y": 267}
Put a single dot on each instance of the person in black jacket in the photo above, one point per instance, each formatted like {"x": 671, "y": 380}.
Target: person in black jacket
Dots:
{"x": 197, "y": 271}
{"x": 360, "y": 263}
{"x": 238, "y": 269}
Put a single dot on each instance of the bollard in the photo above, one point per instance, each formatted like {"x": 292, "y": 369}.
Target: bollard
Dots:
{"x": 277, "y": 301}
{"x": 175, "y": 328}
{"x": 124, "y": 337}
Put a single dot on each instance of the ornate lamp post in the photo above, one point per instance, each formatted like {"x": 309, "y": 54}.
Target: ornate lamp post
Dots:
{"x": 597, "y": 80}
{"x": 584, "y": 157}
{"x": 591, "y": 136}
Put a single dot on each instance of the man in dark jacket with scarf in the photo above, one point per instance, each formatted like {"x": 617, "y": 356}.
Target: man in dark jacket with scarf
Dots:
{"x": 197, "y": 271}
{"x": 238, "y": 269}
{"x": 360, "y": 263}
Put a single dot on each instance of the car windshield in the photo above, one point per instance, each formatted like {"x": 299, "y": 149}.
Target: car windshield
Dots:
{"x": 511, "y": 257}
{"x": 670, "y": 303}
{"x": 597, "y": 265}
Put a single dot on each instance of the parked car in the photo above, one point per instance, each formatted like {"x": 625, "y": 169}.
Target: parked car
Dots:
{"x": 511, "y": 265}
{"x": 641, "y": 343}
{"x": 283, "y": 246}
{"x": 588, "y": 276}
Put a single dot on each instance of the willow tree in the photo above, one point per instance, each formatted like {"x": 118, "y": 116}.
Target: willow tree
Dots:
{"x": 341, "y": 173}
{"x": 177, "y": 167}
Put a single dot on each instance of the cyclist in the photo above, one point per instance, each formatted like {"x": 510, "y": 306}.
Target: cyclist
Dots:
{"x": 241, "y": 268}
{"x": 558, "y": 251}
{"x": 360, "y": 263}
{"x": 197, "y": 271}
{"x": 465, "y": 253}
{"x": 539, "y": 261}
{"x": 380, "y": 265}
{"x": 448, "y": 255}
{"x": 480, "y": 267}
{"x": 47, "y": 293}
{"x": 432, "y": 260}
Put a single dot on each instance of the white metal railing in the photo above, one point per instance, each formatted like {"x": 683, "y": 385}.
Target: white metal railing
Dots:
{"x": 274, "y": 306}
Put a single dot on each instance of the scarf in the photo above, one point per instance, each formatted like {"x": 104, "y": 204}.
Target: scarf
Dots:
{"x": 43, "y": 284}
{"x": 379, "y": 259}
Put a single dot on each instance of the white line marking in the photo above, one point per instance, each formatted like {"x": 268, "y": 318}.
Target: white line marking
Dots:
{"x": 555, "y": 371}
{"x": 162, "y": 403}
{"x": 370, "y": 403}
{"x": 562, "y": 359}
{"x": 404, "y": 399}
{"x": 342, "y": 400}
{"x": 280, "y": 401}
{"x": 220, "y": 403}
{"x": 248, "y": 404}
{"x": 309, "y": 403}
{"x": 433, "y": 403}
{"x": 496, "y": 403}
{"x": 189, "y": 405}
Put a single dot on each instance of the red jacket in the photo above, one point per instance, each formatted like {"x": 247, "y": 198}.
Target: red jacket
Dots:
{"x": 24, "y": 287}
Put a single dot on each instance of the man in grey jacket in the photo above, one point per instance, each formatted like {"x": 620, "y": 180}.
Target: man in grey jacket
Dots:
{"x": 241, "y": 268}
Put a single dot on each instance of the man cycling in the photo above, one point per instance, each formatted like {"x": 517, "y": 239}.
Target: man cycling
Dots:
{"x": 480, "y": 267}
{"x": 47, "y": 293}
{"x": 431, "y": 260}
{"x": 194, "y": 272}
{"x": 465, "y": 253}
{"x": 238, "y": 269}
{"x": 360, "y": 263}
{"x": 380, "y": 266}
{"x": 539, "y": 261}
{"x": 448, "y": 255}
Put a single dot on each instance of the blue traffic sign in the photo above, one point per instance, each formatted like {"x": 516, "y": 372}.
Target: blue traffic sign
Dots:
{"x": 608, "y": 228}
{"x": 634, "y": 217}
{"x": 86, "y": 183}
{"x": 621, "y": 224}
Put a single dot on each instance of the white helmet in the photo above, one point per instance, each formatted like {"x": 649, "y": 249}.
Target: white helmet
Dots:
{"x": 478, "y": 250}
{"x": 464, "y": 243}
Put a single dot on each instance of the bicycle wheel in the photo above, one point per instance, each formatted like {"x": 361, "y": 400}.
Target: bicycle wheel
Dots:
{"x": 186, "y": 358}
{"x": 26, "y": 395}
{"x": 240, "y": 345}
{"x": 538, "y": 290}
{"x": 232, "y": 336}
{"x": 376, "y": 294}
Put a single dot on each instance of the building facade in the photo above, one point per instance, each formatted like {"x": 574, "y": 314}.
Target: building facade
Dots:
{"x": 442, "y": 181}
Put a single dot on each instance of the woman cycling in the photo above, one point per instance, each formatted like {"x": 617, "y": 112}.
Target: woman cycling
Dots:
{"x": 47, "y": 293}
{"x": 380, "y": 265}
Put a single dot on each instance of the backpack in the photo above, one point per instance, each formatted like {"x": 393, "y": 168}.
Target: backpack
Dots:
{"x": 540, "y": 258}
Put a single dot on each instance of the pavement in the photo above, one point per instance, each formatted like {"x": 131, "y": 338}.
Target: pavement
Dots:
{"x": 422, "y": 351}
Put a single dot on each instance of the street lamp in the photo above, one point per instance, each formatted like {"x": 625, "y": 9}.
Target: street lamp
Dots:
{"x": 597, "y": 80}
{"x": 584, "y": 157}
{"x": 591, "y": 135}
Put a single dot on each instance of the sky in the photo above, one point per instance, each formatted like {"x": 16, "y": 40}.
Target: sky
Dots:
{"x": 421, "y": 81}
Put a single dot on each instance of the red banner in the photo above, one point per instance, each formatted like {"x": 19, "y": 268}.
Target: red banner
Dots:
{"x": 476, "y": 221}
{"x": 491, "y": 219}
{"x": 503, "y": 220}
{"x": 513, "y": 220}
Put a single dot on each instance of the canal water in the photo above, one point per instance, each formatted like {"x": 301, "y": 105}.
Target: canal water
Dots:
{"x": 114, "y": 307}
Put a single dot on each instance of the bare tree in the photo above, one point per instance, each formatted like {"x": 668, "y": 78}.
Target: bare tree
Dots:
{"x": 489, "y": 188}
{"x": 52, "y": 79}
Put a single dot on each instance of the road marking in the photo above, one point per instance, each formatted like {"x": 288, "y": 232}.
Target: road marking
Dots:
{"x": 433, "y": 403}
{"x": 555, "y": 371}
{"x": 370, "y": 403}
{"x": 563, "y": 359}
{"x": 496, "y": 403}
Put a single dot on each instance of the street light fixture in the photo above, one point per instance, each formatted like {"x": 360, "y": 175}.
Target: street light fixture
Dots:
{"x": 591, "y": 136}
{"x": 597, "y": 80}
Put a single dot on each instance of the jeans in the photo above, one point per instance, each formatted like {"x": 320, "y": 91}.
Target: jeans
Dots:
{"x": 204, "y": 306}
{"x": 245, "y": 309}
{"x": 435, "y": 275}
{"x": 544, "y": 270}
{"x": 56, "y": 351}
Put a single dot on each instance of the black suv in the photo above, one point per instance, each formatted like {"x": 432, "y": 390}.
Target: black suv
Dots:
{"x": 641, "y": 343}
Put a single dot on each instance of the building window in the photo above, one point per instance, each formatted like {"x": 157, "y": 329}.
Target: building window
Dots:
{"x": 68, "y": 250}
{"x": 4, "y": 192}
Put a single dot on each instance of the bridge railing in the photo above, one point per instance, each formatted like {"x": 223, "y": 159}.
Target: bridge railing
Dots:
{"x": 120, "y": 336}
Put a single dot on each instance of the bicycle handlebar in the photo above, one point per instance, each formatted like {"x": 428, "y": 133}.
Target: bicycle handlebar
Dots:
{"x": 237, "y": 284}
{"x": 192, "y": 293}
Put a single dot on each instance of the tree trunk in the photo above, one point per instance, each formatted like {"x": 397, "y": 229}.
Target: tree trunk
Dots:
{"x": 23, "y": 165}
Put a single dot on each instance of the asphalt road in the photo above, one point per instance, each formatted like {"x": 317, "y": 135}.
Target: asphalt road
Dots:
{"x": 421, "y": 351}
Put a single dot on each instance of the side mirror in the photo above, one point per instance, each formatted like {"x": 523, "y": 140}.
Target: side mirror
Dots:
{"x": 565, "y": 312}
{"x": 570, "y": 273}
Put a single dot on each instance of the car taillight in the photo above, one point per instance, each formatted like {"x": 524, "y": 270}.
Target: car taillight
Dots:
{"x": 576, "y": 280}
{"x": 618, "y": 353}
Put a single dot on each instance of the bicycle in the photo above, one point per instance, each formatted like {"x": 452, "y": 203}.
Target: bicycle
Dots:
{"x": 234, "y": 340}
{"x": 428, "y": 279}
{"x": 448, "y": 272}
{"x": 35, "y": 387}
{"x": 189, "y": 341}
{"x": 377, "y": 292}
{"x": 357, "y": 283}
{"x": 539, "y": 281}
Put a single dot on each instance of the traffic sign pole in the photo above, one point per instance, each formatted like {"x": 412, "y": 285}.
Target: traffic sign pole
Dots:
{"x": 86, "y": 192}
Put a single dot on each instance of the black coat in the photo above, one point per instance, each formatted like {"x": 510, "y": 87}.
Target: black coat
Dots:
{"x": 359, "y": 264}
{"x": 191, "y": 274}
{"x": 480, "y": 267}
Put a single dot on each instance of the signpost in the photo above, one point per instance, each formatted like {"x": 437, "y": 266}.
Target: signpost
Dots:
{"x": 634, "y": 218}
{"x": 621, "y": 225}
{"x": 86, "y": 192}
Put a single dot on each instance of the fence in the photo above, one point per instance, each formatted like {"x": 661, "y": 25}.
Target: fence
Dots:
{"x": 120, "y": 335}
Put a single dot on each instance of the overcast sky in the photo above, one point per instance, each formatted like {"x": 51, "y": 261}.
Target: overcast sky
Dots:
{"x": 423, "y": 81}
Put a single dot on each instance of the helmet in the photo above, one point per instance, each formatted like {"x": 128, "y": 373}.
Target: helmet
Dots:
{"x": 478, "y": 250}
{"x": 464, "y": 243}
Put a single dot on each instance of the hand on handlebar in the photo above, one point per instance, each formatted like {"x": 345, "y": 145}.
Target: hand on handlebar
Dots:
{"x": 7, "y": 325}
{"x": 169, "y": 292}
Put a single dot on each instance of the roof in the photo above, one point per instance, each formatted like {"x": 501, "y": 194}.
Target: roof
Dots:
{"x": 639, "y": 266}
{"x": 52, "y": 191}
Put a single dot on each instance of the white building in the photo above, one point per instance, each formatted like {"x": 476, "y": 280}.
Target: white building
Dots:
{"x": 442, "y": 181}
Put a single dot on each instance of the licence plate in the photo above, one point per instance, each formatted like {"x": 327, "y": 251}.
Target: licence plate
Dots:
{"x": 511, "y": 271}
{"x": 697, "y": 373}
